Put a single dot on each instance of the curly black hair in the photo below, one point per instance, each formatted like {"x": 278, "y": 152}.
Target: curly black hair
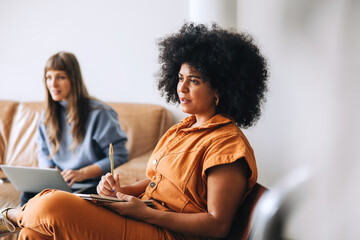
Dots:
{"x": 229, "y": 60}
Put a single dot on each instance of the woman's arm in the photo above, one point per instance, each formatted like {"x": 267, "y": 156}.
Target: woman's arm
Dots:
{"x": 107, "y": 130}
{"x": 226, "y": 187}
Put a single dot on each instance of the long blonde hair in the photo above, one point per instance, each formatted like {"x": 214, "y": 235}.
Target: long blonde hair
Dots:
{"x": 77, "y": 106}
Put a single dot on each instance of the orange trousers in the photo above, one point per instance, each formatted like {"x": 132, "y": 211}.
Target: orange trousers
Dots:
{"x": 54, "y": 214}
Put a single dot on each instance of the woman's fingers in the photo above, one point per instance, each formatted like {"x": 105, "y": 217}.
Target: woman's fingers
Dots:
{"x": 71, "y": 176}
{"x": 67, "y": 175}
{"x": 111, "y": 181}
{"x": 105, "y": 186}
{"x": 117, "y": 181}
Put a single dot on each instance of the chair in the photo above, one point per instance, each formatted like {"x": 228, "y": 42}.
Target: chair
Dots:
{"x": 241, "y": 227}
{"x": 276, "y": 207}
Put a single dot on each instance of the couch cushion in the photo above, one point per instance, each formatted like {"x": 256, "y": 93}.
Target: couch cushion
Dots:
{"x": 21, "y": 149}
{"x": 7, "y": 111}
{"x": 144, "y": 125}
{"x": 133, "y": 170}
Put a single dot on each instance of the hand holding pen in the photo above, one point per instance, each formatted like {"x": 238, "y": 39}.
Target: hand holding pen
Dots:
{"x": 109, "y": 181}
{"x": 109, "y": 185}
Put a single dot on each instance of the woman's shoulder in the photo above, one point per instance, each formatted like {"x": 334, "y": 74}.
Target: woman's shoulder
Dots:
{"x": 95, "y": 104}
{"x": 221, "y": 126}
{"x": 233, "y": 131}
{"x": 97, "y": 107}
{"x": 225, "y": 132}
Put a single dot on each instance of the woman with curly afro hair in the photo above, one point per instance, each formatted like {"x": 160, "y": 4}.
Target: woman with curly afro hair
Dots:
{"x": 201, "y": 170}
{"x": 229, "y": 61}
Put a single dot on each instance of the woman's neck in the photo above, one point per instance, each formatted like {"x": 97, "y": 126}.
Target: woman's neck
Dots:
{"x": 200, "y": 120}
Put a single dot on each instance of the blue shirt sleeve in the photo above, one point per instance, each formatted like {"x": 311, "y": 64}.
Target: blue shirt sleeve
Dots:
{"x": 108, "y": 130}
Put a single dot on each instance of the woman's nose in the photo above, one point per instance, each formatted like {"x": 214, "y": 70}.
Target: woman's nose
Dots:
{"x": 183, "y": 86}
{"x": 53, "y": 82}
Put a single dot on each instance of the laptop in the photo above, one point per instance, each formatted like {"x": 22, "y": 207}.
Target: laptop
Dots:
{"x": 33, "y": 179}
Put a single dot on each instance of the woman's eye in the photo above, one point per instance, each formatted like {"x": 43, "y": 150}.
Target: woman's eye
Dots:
{"x": 181, "y": 79}
{"x": 194, "y": 81}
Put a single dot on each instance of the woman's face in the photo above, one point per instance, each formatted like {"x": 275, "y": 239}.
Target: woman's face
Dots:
{"x": 196, "y": 96}
{"x": 58, "y": 84}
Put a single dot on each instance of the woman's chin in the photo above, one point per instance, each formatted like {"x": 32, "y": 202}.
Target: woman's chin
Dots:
{"x": 56, "y": 98}
{"x": 186, "y": 110}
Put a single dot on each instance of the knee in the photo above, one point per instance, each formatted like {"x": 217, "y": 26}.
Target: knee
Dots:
{"x": 49, "y": 201}
{"x": 49, "y": 198}
{"x": 45, "y": 210}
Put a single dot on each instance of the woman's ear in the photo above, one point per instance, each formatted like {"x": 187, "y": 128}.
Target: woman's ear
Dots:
{"x": 216, "y": 97}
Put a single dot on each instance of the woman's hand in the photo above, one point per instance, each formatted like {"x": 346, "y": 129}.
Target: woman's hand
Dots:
{"x": 73, "y": 176}
{"x": 109, "y": 185}
{"x": 132, "y": 207}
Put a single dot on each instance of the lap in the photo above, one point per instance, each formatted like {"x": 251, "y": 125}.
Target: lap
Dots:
{"x": 70, "y": 217}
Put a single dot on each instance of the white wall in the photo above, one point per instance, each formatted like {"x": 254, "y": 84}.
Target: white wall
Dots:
{"x": 302, "y": 40}
{"x": 115, "y": 42}
{"x": 310, "y": 118}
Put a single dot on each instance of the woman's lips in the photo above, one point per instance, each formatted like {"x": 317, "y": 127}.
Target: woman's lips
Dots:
{"x": 184, "y": 100}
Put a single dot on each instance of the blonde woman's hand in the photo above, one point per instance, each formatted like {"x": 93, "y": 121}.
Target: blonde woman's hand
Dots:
{"x": 73, "y": 176}
{"x": 109, "y": 185}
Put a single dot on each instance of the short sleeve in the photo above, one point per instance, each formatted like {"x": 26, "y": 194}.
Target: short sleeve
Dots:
{"x": 228, "y": 149}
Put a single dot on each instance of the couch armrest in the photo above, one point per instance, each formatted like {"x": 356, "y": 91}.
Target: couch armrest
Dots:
{"x": 7, "y": 112}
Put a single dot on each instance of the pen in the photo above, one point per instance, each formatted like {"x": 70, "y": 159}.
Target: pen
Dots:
{"x": 111, "y": 156}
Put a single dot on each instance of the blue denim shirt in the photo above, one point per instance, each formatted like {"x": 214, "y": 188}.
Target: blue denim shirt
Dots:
{"x": 102, "y": 128}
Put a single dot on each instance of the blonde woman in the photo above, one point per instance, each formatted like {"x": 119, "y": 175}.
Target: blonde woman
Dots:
{"x": 75, "y": 130}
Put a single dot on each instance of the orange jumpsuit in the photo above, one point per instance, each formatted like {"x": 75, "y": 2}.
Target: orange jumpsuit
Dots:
{"x": 177, "y": 170}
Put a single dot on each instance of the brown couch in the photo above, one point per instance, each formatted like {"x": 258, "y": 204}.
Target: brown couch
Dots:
{"x": 143, "y": 123}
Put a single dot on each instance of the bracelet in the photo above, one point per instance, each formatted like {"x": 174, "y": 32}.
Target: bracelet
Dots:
{"x": 4, "y": 211}
{"x": 5, "y": 221}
